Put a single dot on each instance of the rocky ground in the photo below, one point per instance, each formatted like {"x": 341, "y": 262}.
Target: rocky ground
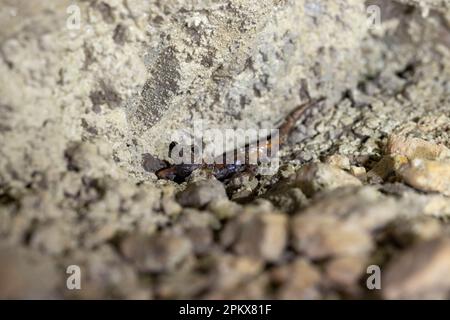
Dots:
{"x": 86, "y": 111}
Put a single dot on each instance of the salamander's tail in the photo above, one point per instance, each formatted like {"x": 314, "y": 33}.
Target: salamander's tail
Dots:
{"x": 289, "y": 123}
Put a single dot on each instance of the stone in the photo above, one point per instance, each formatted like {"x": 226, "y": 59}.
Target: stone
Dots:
{"x": 385, "y": 168}
{"x": 365, "y": 207}
{"x": 413, "y": 148}
{"x": 300, "y": 280}
{"x": 231, "y": 271}
{"x": 152, "y": 164}
{"x": 237, "y": 59}
{"x": 427, "y": 5}
{"x": 199, "y": 194}
{"x": 317, "y": 177}
{"x": 427, "y": 175}
{"x": 193, "y": 280}
{"x": 438, "y": 206}
{"x": 224, "y": 208}
{"x": 52, "y": 239}
{"x": 338, "y": 160}
{"x": 419, "y": 273}
{"x": 341, "y": 222}
{"x": 105, "y": 273}
{"x": 359, "y": 172}
{"x": 198, "y": 227}
{"x": 286, "y": 197}
{"x": 26, "y": 274}
{"x": 324, "y": 236}
{"x": 409, "y": 231}
{"x": 345, "y": 272}
{"x": 261, "y": 235}
{"x": 156, "y": 253}
{"x": 202, "y": 239}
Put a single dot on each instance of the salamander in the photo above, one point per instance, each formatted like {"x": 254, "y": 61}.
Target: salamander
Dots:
{"x": 222, "y": 170}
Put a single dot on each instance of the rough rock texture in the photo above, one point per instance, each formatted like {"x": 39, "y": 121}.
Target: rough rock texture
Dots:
{"x": 87, "y": 113}
{"x": 421, "y": 272}
{"x": 199, "y": 194}
{"x": 256, "y": 233}
{"x": 426, "y": 175}
{"x": 243, "y": 63}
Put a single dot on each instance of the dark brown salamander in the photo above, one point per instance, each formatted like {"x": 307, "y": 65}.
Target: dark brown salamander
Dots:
{"x": 180, "y": 172}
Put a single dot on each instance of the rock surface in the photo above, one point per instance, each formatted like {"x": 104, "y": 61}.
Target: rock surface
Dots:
{"x": 425, "y": 175}
{"x": 89, "y": 109}
{"x": 199, "y": 194}
{"x": 420, "y": 273}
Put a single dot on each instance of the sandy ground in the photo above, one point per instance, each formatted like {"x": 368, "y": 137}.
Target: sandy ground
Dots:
{"x": 91, "y": 92}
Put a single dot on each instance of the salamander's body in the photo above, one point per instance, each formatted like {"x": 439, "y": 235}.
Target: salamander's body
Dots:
{"x": 257, "y": 150}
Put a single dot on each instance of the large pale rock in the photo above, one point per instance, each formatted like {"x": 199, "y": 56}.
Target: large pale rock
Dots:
{"x": 243, "y": 63}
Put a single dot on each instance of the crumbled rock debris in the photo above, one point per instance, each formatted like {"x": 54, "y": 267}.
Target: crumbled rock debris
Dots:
{"x": 89, "y": 112}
